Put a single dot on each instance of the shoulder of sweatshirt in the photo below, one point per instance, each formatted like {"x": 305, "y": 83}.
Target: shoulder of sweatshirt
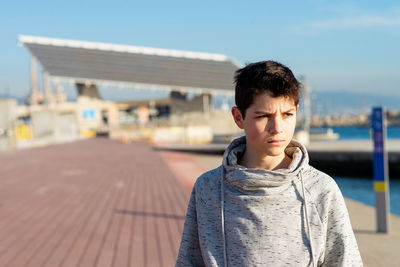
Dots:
{"x": 322, "y": 189}
{"x": 318, "y": 182}
{"x": 210, "y": 178}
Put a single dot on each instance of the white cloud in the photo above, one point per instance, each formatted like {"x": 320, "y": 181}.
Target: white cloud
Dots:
{"x": 353, "y": 22}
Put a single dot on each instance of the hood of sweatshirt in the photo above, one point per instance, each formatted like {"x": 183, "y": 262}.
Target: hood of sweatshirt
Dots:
{"x": 261, "y": 180}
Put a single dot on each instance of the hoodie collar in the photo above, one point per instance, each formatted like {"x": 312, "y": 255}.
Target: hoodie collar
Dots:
{"x": 256, "y": 179}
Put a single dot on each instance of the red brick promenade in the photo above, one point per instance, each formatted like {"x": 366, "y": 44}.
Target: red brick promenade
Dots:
{"x": 90, "y": 203}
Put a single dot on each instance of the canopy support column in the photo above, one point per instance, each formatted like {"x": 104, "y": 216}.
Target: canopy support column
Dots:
{"x": 206, "y": 106}
{"x": 47, "y": 89}
{"x": 34, "y": 89}
{"x": 90, "y": 90}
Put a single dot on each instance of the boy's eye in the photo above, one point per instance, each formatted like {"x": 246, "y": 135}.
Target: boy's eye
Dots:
{"x": 288, "y": 114}
{"x": 263, "y": 116}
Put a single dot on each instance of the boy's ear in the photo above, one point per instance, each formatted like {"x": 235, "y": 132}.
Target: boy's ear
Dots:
{"x": 237, "y": 117}
{"x": 297, "y": 108}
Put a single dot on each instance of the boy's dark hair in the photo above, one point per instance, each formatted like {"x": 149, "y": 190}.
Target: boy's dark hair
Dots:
{"x": 264, "y": 77}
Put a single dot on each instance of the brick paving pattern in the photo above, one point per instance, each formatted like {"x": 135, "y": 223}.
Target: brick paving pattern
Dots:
{"x": 95, "y": 202}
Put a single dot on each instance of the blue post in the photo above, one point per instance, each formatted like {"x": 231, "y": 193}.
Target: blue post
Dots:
{"x": 381, "y": 177}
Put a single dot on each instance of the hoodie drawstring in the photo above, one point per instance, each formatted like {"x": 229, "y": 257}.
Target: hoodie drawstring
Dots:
{"x": 222, "y": 216}
{"x": 307, "y": 221}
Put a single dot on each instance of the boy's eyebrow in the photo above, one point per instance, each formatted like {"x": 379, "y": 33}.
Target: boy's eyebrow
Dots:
{"x": 261, "y": 112}
{"x": 265, "y": 112}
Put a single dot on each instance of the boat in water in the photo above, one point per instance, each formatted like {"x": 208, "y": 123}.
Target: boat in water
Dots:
{"x": 323, "y": 134}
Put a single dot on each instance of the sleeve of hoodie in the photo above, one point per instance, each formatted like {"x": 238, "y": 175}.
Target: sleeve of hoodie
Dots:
{"x": 189, "y": 251}
{"x": 341, "y": 246}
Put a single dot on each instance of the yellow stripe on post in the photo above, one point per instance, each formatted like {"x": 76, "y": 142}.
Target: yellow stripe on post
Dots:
{"x": 380, "y": 186}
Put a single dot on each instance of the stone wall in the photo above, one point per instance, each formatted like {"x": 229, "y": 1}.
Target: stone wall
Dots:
{"x": 8, "y": 116}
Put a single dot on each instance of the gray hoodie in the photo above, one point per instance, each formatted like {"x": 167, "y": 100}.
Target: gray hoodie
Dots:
{"x": 255, "y": 217}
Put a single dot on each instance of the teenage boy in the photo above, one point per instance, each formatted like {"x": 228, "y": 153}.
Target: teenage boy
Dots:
{"x": 265, "y": 205}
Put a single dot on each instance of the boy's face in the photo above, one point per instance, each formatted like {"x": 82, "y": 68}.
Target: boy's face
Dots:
{"x": 269, "y": 124}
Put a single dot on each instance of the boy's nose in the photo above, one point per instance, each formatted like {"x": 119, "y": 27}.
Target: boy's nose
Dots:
{"x": 275, "y": 126}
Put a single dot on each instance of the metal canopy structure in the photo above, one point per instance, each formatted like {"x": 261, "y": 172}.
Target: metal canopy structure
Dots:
{"x": 131, "y": 66}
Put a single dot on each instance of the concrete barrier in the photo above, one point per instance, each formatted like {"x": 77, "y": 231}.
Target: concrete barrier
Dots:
{"x": 182, "y": 135}
{"x": 8, "y": 116}
{"x": 52, "y": 126}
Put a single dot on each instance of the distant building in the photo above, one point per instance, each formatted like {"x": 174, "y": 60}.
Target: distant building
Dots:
{"x": 88, "y": 65}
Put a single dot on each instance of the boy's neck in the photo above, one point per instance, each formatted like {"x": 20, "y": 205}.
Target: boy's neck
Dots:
{"x": 254, "y": 161}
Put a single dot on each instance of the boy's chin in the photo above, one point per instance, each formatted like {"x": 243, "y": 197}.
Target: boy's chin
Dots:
{"x": 275, "y": 152}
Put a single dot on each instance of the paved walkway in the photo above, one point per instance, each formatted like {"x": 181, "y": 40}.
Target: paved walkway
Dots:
{"x": 90, "y": 203}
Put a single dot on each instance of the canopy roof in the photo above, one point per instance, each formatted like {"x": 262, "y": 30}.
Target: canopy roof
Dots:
{"x": 122, "y": 65}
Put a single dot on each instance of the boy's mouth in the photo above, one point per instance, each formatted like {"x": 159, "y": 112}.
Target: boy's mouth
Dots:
{"x": 276, "y": 141}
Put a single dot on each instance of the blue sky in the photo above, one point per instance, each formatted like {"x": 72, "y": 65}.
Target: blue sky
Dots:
{"x": 337, "y": 45}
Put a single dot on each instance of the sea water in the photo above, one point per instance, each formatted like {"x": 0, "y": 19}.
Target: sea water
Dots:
{"x": 362, "y": 189}
{"x": 363, "y": 133}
